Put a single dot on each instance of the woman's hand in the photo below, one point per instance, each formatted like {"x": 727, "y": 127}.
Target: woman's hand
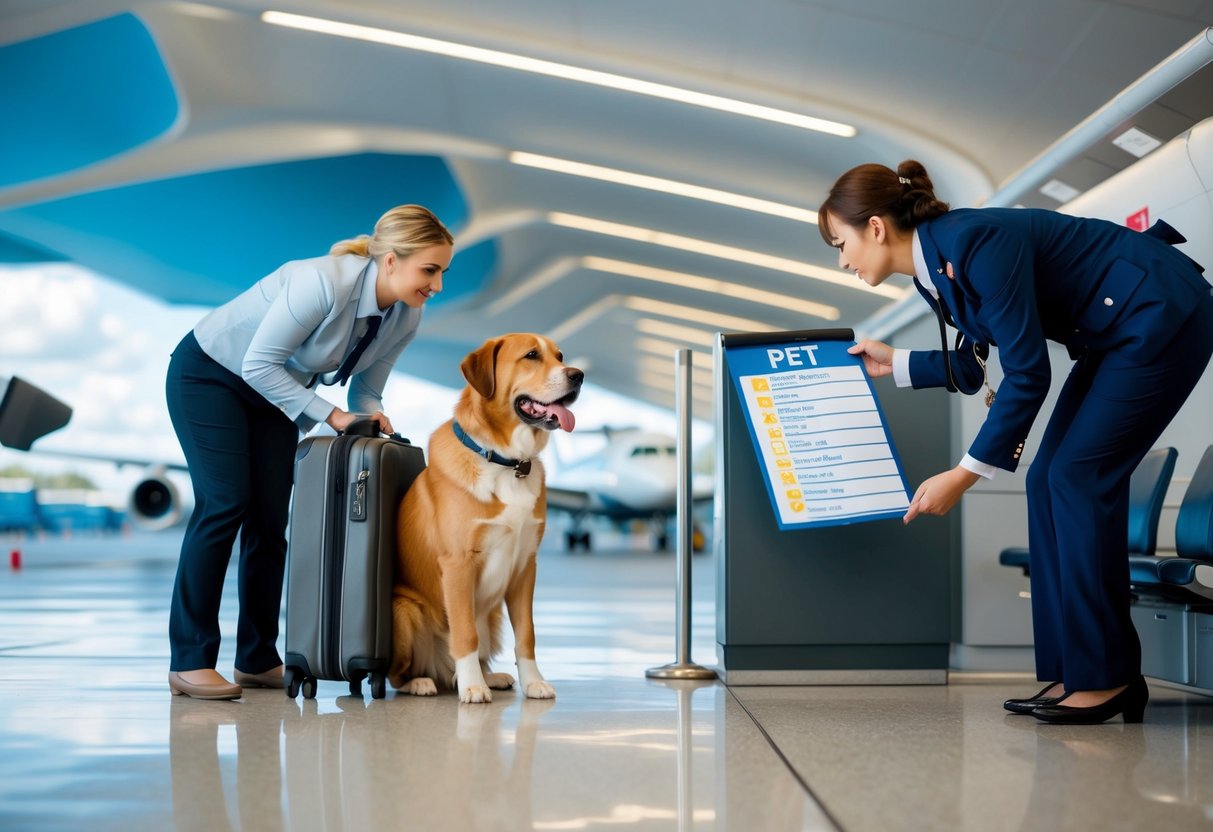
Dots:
{"x": 385, "y": 424}
{"x": 340, "y": 419}
{"x": 938, "y": 494}
{"x": 877, "y": 357}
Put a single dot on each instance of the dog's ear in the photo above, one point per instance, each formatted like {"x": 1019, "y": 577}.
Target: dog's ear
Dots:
{"x": 480, "y": 368}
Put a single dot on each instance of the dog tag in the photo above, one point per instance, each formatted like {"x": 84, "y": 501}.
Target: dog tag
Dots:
{"x": 522, "y": 468}
{"x": 989, "y": 397}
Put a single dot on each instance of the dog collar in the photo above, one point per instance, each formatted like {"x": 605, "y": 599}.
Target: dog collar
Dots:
{"x": 521, "y": 467}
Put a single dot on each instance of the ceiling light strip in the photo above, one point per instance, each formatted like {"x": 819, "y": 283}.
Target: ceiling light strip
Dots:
{"x": 700, "y": 373}
{"x": 660, "y": 381}
{"x": 556, "y": 70}
{"x": 663, "y": 348}
{"x": 710, "y": 249}
{"x": 731, "y": 323}
{"x": 687, "y": 334}
{"x": 712, "y": 286}
{"x": 576, "y": 322}
{"x": 667, "y": 186}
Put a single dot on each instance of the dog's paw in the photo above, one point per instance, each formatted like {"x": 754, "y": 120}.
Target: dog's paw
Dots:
{"x": 499, "y": 681}
{"x": 540, "y": 690}
{"x": 421, "y": 686}
{"x": 475, "y": 694}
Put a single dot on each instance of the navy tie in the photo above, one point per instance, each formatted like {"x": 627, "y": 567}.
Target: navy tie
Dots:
{"x": 347, "y": 366}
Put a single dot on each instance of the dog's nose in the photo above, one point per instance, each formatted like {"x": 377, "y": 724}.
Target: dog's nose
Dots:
{"x": 575, "y": 376}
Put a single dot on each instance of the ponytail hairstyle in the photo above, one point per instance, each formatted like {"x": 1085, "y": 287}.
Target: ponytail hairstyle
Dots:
{"x": 404, "y": 230}
{"x": 905, "y": 196}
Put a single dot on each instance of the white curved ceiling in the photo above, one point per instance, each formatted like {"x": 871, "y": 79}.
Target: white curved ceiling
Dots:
{"x": 972, "y": 88}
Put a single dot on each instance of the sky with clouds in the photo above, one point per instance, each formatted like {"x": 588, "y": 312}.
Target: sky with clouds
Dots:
{"x": 103, "y": 349}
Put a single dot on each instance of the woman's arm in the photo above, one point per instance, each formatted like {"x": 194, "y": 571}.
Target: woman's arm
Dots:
{"x": 999, "y": 269}
{"x": 305, "y": 300}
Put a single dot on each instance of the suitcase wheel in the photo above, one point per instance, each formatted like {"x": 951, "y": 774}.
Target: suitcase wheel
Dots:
{"x": 378, "y": 686}
{"x": 291, "y": 681}
{"x": 309, "y": 687}
{"x": 356, "y": 687}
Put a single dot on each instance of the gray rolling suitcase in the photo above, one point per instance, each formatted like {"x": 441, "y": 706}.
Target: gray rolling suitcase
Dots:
{"x": 341, "y": 556}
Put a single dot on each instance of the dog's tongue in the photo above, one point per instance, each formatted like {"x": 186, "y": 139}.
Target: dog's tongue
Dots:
{"x": 566, "y": 417}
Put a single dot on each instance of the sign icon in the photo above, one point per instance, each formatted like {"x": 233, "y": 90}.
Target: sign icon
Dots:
{"x": 760, "y": 385}
{"x": 1139, "y": 221}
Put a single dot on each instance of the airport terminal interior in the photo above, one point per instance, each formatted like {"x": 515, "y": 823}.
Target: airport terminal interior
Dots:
{"x": 93, "y": 739}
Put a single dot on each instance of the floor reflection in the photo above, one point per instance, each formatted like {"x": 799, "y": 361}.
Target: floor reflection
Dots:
{"x": 92, "y": 740}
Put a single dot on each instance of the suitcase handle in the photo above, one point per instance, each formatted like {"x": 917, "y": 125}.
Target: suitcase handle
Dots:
{"x": 364, "y": 426}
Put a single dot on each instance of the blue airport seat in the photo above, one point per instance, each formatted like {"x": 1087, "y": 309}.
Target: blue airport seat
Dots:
{"x": 18, "y": 509}
{"x": 73, "y": 511}
{"x": 1147, "y": 488}
{"x": 1174, "y": 578}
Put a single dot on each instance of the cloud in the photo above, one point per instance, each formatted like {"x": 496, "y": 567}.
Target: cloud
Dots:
{"x": 49, "y": 311}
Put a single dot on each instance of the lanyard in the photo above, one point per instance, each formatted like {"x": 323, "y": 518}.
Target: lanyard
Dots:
{"x": 953, "y": 387}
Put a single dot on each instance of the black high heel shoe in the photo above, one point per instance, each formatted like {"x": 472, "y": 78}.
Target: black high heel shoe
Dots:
{"x": 1131, "y": 702}
{"x": 1026, "y": 706}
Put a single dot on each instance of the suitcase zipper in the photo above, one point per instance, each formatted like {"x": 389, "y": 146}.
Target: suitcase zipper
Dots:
{"x": 336, "y": 561}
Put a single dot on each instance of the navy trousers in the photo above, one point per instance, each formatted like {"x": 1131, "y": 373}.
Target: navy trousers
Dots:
{"x": 241, "y": 453}
{"x": 1110, "y": 412}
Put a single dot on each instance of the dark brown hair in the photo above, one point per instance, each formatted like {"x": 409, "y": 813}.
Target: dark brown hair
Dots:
{"x": 905, "y": 196}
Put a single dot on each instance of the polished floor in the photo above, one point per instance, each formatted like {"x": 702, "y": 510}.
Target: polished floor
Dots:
{"x": 90, "y": 738}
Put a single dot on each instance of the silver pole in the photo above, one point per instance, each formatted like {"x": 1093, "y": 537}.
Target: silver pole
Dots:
{"x": 683, "y": 668}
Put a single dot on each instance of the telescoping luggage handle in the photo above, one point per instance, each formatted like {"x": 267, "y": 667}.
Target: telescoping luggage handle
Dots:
{"x": 364, "y": 426}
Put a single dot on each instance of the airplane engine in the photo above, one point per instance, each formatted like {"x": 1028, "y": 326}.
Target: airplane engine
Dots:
{"x": 155, "y": 502}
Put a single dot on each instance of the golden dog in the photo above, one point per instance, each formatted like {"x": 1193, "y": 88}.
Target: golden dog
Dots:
{"x": 472, "y": 521}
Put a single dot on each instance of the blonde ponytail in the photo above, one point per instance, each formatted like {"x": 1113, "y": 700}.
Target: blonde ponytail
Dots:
{"x": 360, "y": 245}
{"x": 404, "y": 229}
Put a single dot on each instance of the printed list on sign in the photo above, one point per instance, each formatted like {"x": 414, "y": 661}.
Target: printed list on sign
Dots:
{"x": 821, "y": 439}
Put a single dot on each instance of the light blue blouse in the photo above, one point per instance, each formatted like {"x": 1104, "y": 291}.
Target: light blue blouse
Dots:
{"x": 303, "y": 319}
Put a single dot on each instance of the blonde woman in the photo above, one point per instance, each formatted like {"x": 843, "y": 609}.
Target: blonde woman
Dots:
{"x": 241, "y": 388}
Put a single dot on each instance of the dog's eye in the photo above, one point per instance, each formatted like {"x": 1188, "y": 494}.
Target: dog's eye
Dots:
{"x": 560, "y": 357}
{"x": 532, "y": 355}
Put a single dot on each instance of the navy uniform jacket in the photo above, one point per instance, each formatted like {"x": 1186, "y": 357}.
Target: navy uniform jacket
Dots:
{"x": 1021, "y": 277}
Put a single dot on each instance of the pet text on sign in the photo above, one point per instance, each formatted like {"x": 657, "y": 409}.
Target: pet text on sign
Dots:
{"x": 819, "y": 434}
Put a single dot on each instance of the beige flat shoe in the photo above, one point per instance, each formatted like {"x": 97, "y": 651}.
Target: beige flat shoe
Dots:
{"x": 206, "y": 684}
{"x": 271, "y": 678}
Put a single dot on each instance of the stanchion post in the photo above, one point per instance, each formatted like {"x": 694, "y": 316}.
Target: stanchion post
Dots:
{"x": 683, "y": 667}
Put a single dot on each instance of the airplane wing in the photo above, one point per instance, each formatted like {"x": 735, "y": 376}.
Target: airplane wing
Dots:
{"x": 116, "y": 460}
{"x": 568, "y": 499}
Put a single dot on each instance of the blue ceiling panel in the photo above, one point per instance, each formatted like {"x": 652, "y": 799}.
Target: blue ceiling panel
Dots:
{"x": 13, "y": 250}
{"x": 203, "y": 238}
{"x": 80, "y": 96}
{"x": 471, "y": 269}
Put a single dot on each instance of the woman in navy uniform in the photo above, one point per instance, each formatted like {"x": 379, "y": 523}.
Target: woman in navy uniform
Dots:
{"x": 1136, "y": 316}
{"x": 241, "y": 388}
